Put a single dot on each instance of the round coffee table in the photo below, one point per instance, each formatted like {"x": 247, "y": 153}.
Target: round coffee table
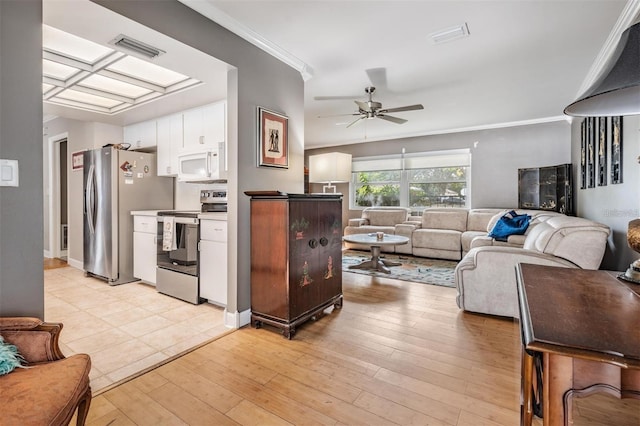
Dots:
{"x": 374, "y": 243}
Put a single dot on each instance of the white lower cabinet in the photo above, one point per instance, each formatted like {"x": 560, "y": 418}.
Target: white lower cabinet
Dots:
{"x": 145, "y": 248}
{"x": 213, "y": 261}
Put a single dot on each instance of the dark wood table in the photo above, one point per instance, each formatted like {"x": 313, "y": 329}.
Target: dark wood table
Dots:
{"x": 586, "y": 325}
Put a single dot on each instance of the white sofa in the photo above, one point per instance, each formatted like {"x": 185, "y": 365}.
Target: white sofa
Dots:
{"x": 449, "y": 233}
{"x": 486, "y": 278}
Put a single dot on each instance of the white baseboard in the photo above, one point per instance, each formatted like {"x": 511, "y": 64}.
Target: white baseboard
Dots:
{"x": 78, "y": 264}
{"x": 237, "y": 319}
{"x": 47, "y": 254}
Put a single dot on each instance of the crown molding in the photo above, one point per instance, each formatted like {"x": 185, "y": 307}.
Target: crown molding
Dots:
{"x": 453, "y": 130}
{"x": 628, "y": 17}
{"x": 208, "y": 10}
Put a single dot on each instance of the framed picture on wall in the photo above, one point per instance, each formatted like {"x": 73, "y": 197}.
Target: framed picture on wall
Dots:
{"x": 616, "y": 150}
{"x": 583, "y": 154}
{"x": 77, "y": 160}
{"x": 591, "y": 152}
{"x": 602, "y": 151}
{"x": 273, "y": 139}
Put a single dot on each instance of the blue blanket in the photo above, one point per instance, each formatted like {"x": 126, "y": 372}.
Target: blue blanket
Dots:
{"x": 510, "y": 224}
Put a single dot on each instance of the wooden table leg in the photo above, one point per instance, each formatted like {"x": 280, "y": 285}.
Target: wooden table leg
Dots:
{"x": 557, "y": 379}
{"x": 526, "y": 389}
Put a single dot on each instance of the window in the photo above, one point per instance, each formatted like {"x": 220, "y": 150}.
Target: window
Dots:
{"x": 380, "y": 188}
{"x": 436, "y": 179}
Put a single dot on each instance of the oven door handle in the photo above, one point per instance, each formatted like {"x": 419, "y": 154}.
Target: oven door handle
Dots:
{"x": 180, "y": 219}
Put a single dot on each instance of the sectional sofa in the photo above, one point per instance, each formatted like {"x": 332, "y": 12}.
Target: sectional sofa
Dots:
{"x": 485, "y": 276}
{"x": 442, "y": 233}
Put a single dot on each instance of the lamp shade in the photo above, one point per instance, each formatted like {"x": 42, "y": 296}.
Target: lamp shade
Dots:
{"x": 617, "y": 91}
{"x": 330, "y": 167}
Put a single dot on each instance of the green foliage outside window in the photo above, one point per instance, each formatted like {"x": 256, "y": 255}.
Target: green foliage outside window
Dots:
{"x": 378, "y": 188}
{"x": 441, "y": 186}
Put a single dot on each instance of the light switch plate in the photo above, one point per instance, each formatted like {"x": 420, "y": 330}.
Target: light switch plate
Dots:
{"x": 8, "y": 172}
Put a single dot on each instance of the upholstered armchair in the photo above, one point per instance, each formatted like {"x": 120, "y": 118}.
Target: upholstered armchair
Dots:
{"x": 53, "y": 387}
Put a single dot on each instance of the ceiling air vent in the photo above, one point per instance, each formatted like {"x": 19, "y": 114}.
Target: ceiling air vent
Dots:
{"x": 136, "y": 46}
{"x": 450, "y": 34}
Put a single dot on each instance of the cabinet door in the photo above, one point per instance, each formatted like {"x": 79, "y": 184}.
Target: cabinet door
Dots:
{"x": 330, "y": 249}
{"x": 169, "y": 144}
{"x": 215, "y": 121}
{"x": 213, "y": 271}
{"x": 144, "y": 256}
{"x": 141, "y": 135}
{"x": 205, "y": 127}
{"x": 316, "y": 257}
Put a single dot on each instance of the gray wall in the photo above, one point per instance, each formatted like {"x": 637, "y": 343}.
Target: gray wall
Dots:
{"x": 613, "y": 205}
{"x": 21, "y": 272}
{"x": 496, "y": 156}
{"x": 261, "y": 80}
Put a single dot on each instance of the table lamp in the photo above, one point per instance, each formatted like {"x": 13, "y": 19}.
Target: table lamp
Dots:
{"x": 330, "y": 168}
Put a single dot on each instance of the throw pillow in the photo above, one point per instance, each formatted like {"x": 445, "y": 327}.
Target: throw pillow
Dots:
{"x": 510, "y": 223}
{"x": 9, "y": 357}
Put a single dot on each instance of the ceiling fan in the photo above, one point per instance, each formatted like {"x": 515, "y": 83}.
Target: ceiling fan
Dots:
{"x": 373, "y": 109}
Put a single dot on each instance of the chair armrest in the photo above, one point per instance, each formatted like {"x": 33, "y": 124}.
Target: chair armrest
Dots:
{"x": 358, "y": 222}
{"x": 37, "y": 341}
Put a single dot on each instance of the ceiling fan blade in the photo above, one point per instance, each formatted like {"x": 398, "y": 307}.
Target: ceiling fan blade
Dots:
{"x": 355, "y": 121}
{"x": 334, "y": 98}
{"x": 377, "y": 77}
{"x": 337, "y": 115}
{"x": 363, "y": 106}
{"x": 404, "y": 108}
{"x": 392, "y": 119}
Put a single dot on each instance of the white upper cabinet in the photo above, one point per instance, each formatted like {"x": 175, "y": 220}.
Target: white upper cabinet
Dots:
{"x": 170, "y": 142}
{"x": 141, "y": 135}
{"x": 205, "y": 127}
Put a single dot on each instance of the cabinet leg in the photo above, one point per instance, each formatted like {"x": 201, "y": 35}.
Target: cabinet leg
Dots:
{"x": 288, "y": 333}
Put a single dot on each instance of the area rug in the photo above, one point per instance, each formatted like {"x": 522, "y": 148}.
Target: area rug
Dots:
{"x": 415, "y": 269}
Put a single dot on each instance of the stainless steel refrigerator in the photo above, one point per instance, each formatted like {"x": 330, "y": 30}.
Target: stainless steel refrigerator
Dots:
{"x": 117, "y": 182}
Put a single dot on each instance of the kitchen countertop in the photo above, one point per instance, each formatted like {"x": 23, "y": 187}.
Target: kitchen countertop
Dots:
{"x": 203, "y": 216}
{"x": 145, "y": 212}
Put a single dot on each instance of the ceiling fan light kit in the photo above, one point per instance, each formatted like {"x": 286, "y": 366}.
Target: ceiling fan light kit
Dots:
{"x": 372, "y": 109}
{"x": 617, "y": 91}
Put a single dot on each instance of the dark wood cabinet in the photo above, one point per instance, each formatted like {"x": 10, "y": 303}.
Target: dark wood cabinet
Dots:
{"x": 546, "y": 188}
{"x": 296, "y": 257}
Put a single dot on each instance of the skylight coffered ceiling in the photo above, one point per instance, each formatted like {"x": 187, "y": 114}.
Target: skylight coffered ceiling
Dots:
{"x": 87, "y": 77}
{"x": 82, "y": 74}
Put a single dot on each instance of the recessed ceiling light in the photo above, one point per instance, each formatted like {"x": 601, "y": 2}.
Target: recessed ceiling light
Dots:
{"x": 450, "y": 34}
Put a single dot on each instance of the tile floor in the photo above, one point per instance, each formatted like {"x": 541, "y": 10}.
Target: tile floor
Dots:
{"x": 127, "y": 328}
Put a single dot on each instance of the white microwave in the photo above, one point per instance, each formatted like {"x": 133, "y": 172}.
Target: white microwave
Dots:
{"x": 202, "y": 166}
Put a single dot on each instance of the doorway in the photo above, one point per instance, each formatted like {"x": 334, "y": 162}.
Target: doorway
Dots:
{"x": 58, "y": 197}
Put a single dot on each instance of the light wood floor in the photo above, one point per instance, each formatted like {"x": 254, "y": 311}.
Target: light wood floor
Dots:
{"x": 397, "y": 353}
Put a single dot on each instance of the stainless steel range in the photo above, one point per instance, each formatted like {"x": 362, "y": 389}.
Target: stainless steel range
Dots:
{"x": 178, "y": 268}
{"x": 177, "y": 273}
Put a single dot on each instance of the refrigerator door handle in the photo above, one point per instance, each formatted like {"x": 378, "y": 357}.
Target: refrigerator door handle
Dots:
{"x": 89, "y": 198}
